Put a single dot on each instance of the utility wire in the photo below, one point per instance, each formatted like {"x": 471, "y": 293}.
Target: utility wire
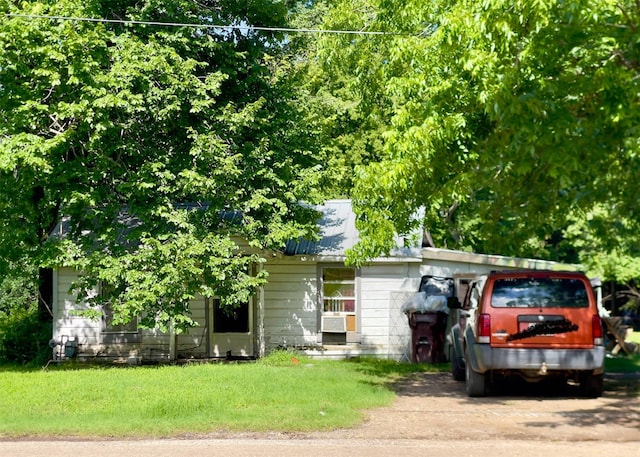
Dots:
{"x": 208, "y": 26}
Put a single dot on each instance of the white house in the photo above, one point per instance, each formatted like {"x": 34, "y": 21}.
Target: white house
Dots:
{"x": 312, "y": 303}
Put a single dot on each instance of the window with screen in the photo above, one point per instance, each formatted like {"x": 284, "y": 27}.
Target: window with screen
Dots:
{"x": 107, "y": 293}
{"x": 339, "y": 289}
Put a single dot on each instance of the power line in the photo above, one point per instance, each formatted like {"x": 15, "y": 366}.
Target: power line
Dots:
{"x": 207, "y": 26}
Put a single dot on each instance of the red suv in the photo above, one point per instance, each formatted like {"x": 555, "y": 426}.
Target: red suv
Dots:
{"x": 533, "y": 324}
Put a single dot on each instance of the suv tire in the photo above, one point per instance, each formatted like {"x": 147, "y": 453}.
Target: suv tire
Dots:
{"x": 457, "y": 368}
{"x": 591, "y": 385}
{"x": 476, "y": 383}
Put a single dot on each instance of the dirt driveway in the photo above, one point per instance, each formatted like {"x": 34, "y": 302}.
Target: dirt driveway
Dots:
{"x": 431, "y": 416}
{"x": 434, "y": 406}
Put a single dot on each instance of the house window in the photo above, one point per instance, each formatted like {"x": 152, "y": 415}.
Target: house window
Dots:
{"x": 230, "y": 321}
{"x": 339, "y": 290}
{"x": 107, "y": 292}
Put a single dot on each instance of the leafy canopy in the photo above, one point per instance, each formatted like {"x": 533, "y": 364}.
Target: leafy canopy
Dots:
{"x": 115, "y": 125}
{"x": 507, "y": 121}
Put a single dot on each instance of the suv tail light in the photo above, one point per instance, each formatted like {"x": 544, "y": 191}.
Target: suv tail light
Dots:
{"x": 596, "y": 326}
{"x": 484, "y": 328}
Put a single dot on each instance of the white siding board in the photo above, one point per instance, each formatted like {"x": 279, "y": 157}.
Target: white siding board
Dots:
{"x": 284, "y": 313}
{"x": 154, "y": 344}
{"x": 387, "y": 270}
{"x": 374, "y": 314}
{"x": 376, "y": 284}
{"x": 285, "y": 297}
{"x": 66, "y": 322}
{"x": 447, "y": 269}
{"x": 379, "y": 300}
{"x": 290, "y": 304}
{"x": 279, "y": 271}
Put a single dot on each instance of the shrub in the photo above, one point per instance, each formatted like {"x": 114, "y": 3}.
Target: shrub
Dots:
{"x": 24, "y": 339}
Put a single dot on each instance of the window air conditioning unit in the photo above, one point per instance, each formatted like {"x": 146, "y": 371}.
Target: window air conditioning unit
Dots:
{"x": 333, "y": 324}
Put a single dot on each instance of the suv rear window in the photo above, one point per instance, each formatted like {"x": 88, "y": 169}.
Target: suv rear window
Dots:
{"x": 539, "y": 293}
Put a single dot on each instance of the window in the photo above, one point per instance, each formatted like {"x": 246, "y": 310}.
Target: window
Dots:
{"x": 339, "y": 290}
{"x": 107, "y": 292}
{"x": 434, "y": 285}
{"x": 230, "y": 321}
{"x": 539, "y": 293}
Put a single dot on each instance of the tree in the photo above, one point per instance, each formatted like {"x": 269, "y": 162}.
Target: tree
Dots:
{"x": 507, "y": 120}
{"x": 607, "y": 241}
{"x": 347, "y": 134}
{"x": 115, "y": 125}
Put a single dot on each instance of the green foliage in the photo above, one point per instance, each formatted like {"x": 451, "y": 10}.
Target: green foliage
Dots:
{"x": 24, "y": 332}
{"x": 18, "y": 288}
{"x": 505, "y": 121}
{"x": 113, "y": 126}
{"x": 611, "y": 234}
{"x": 24, "y": 338}
{"x": 158, "y": 281}
{"x": 284, "y": 357}
{"x": 348, "y": 135}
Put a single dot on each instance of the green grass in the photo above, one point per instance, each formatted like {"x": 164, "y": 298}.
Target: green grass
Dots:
{"x": 634, "y": 337}
{"x": 623, "y": 363}
{"x": 283, "y": 392}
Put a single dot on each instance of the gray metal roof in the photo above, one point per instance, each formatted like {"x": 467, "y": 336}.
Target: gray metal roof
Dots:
{"x": 337, "y": 230}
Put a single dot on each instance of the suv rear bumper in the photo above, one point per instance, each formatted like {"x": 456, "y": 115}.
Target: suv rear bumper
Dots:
{"x": 485, "y": 358}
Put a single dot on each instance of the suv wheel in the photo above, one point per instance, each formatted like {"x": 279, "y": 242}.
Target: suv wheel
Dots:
{"x": 476, "y": 382}
{"x": 457, "y": 368}
{"x": 591, "y": 385}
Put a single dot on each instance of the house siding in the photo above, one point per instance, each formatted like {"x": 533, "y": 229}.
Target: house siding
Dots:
{"x": 194, "y": 342}
{"x": 292, "y": 311}
{"x": 385, "y": 332}
{"x": 66, "y": 322}
{"x": 290, "y": 305}
{"x": 287, "y": 311}
{"x": 377, "y": 283}
{"x": 92, "y": 342}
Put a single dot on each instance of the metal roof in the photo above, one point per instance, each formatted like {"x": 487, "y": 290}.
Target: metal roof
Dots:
{"x": 338, "y": 233}
{"x": 337, "y": 230}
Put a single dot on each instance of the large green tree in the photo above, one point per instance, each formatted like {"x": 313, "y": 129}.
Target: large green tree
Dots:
{"x": 117, "y": 129}
{"x": 509, "y": 122}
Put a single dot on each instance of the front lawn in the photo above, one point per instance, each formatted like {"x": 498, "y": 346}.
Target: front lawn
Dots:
{"x": 283, "y": 392}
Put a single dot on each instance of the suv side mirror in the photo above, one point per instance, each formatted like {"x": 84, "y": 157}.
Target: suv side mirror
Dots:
{"x": 453, "y": 303}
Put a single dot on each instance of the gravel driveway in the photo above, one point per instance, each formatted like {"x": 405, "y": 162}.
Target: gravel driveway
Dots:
{"x": 434, "y": 406}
